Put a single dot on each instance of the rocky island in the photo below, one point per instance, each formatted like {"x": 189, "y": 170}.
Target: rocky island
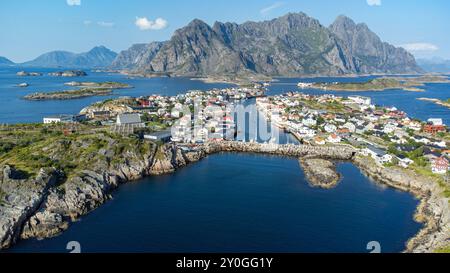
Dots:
{"x": 320, "y": 172}
{"x": 68, "y": 73}
{"x": 24, "y": 84}
{"x": 88, "y": 90}
{"x": 28, "y": 74}
{"x": 445, "y": 103}
{"x": 384, "y": 83}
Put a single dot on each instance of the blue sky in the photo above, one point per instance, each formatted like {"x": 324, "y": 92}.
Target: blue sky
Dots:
{"x": 29, "y": 28}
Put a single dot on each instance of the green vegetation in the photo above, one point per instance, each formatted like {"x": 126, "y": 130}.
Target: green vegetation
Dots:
{"x": 384, "y": 83}
{"x": 378, "y": 84}
{"x": 69, "y": 94}
{"x": 2, "y": 197}
{"x": 88, "y": 147}
{"x": 374, "y": 84}
{"x": 88, "y": 89}
{"x": 443, "y": 250}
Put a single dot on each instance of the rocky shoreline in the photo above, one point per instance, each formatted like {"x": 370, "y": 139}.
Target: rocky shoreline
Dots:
{"x": 88, "y": 89}
{"x": 436, "y": 101}
{"x": 433, "y": 210}
{"x": 68, "y": 94}
{"x": 49, "y": 209}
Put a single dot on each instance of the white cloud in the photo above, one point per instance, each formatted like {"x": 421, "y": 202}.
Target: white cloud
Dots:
{"x": 105, "y": 24}
{"x": 271, "y": 7}
{"x": 420, "y": 47}
{"x": 73, "y": 2}
{"x": 144, "y": 24}
{"x": 374, "y": 2}
{"x": 87, "y": 22}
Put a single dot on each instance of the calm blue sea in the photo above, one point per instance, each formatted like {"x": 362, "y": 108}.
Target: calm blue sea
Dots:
{"x": 13, "y": 109}
{"x": 242, "y": 203}
{"x": 230, "y": 202}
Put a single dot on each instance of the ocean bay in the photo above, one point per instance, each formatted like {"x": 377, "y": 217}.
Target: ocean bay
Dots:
{"x": 216, "y": 192}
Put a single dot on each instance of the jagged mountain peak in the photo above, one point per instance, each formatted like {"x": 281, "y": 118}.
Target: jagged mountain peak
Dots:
{"x": 291, "y": 45}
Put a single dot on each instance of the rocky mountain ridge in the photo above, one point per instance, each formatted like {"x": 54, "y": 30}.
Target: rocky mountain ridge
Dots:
{"x": 292, "y": 45}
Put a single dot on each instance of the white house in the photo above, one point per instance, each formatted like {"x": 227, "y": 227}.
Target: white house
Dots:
{"x": 436, "y": 121}
{"x": 306, "y": 132}
{"x": 389, "y": 128}
{"x": 377, "y": 154}
{"x": 350, "y": 126}
{"x": 330, "y": 128}
{"x": 309, "y": 121}
{"x": 360, "y": 100}
{"x": 333, "y": 138}
{"x": 64, "y": 118}
{"x": 59, "y": 119}
{"x": 441, "y": 144}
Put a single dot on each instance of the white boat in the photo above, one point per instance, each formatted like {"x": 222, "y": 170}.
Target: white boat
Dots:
{"x": 304, "y": 84}
{"x": 23, "y": 84}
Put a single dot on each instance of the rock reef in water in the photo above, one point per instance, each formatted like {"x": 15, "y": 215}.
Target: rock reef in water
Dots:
{"x": 68, "y": 73}
{"x": 320, "y": 172}
{"x": 28, "y": 74}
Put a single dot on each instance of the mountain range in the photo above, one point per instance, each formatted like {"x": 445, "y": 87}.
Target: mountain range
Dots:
{"x": 99, "y": 56}
{"x": 292, "y": 45}
{"x": 5, "y": 61}
{"x": 137, "y": 55}
{"x": 437, "y": 65}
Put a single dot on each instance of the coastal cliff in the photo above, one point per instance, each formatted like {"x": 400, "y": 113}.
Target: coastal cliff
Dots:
{"x": 21, "y": 198}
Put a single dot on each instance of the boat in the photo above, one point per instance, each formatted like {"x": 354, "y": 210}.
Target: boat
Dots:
{"x": 304, "y": 84}
{"x": 23, "y": 84}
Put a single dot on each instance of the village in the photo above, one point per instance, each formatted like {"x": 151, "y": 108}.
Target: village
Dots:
{"x": 385, "y": 134}
{"x": 193, "y": 117}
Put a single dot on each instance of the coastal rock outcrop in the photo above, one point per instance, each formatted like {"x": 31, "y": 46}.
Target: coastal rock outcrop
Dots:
{"x": 163, "y": 161}
{"x": 20, "y": 196}
{"x": 320, "y": 173}
{"x": 68, "y": 73}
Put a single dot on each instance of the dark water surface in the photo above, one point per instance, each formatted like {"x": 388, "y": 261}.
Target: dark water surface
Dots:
{"x": 243, "y": 203}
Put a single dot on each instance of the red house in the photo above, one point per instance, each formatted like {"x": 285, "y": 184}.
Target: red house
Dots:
{"x": 433, "y": 129}
{"x": 440, "y": 165}
{"x": 144, "y": 103}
